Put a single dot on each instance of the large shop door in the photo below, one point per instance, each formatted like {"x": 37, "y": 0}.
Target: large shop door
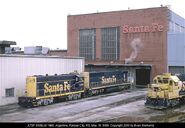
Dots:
{"x": 142, "y": 77}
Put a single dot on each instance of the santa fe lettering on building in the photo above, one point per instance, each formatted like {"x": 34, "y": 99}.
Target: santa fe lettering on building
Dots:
{"x": 154, "y": 27}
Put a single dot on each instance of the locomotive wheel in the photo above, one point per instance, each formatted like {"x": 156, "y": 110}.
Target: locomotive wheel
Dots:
{"x": 69, "y": 97}
{"x": 75, "y": 97}
{"x": 172, "y": 103}
{"x": 45, "y": 102}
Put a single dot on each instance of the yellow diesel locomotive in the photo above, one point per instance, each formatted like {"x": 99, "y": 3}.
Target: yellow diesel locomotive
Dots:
{"x": 167, "y": 90}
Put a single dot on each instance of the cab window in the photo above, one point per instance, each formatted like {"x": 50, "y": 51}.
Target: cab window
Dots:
{"x": 155, "y": 81}
{"x": 165, "y": 80}
{"x": 171, "y": 82}
{"x": 176, "y": 84}
{"x": 160, "y": 81}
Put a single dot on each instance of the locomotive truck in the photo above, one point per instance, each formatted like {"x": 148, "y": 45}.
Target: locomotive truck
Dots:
{"x": 45, "y": 90}
{"x": 166, "y": 91}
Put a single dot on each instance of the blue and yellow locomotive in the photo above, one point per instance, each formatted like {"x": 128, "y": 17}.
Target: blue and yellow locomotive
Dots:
{"x": 45, "y": 90}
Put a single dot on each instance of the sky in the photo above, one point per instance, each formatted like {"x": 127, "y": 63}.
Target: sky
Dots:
{"x": 44, "y": 22}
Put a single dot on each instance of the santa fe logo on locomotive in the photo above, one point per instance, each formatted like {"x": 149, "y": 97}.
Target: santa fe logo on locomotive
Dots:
{"x": 57, "y": 88}
{"x": 108, "y": 80}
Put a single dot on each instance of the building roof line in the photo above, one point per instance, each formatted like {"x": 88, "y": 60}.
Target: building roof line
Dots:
{"x": 116, "y": 11}
{"x": 40, "y": 56}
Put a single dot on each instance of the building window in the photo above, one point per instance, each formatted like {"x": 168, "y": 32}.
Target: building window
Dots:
{"x": 177, "y": 27}
{"x": 110, "y": 43}
{"x": 9, "y": 92}
{"x": 183, "y": 29}
{"x": 87, "y": 43}
{"x": 171, "y": 26}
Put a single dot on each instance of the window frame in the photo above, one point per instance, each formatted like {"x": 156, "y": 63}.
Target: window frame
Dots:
{"x": 8, "y": 92}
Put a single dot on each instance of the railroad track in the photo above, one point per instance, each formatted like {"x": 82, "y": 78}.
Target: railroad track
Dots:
{"x": 71, "y": 110}
{"x": 99, "y": 109}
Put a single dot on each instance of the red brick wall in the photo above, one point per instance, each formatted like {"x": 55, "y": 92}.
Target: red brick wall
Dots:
{"x": 154, "y": 44}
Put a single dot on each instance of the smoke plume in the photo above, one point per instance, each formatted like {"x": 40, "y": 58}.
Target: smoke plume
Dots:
{"x": 136, "y": 46}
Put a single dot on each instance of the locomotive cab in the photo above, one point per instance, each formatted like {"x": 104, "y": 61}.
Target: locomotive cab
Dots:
{"x": 44, "y": 90}
{"x": 164, "y": 91}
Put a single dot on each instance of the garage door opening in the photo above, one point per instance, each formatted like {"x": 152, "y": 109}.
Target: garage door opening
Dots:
{"x": 142, "y": 77}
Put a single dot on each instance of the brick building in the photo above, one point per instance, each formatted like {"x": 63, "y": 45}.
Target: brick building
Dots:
{"x": 141, "y": 39}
